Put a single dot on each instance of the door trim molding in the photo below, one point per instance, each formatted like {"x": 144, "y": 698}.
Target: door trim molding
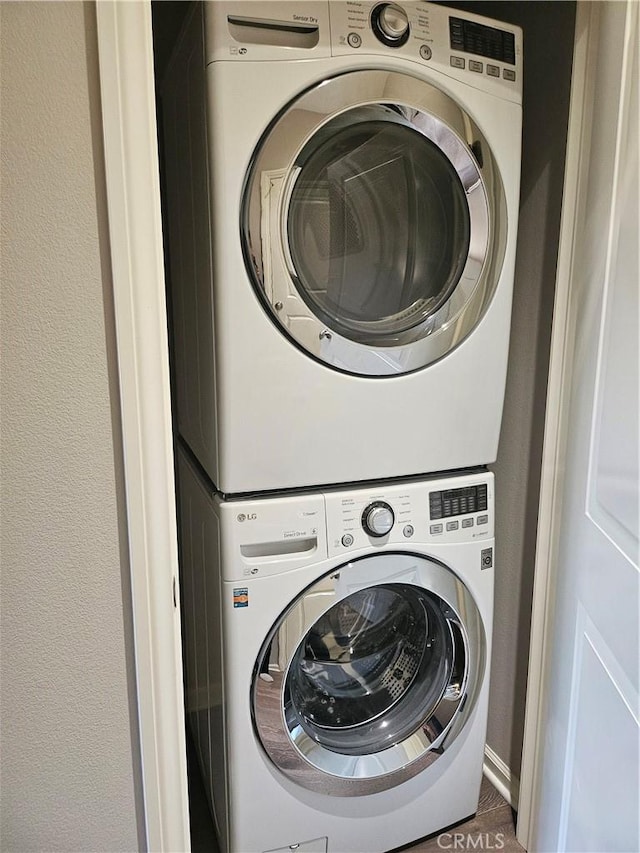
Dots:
{"x": 125, "y": 48}
{"x": 555, "y": 433}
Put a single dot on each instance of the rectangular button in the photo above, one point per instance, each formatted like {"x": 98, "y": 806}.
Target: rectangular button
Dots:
{"x": 483, "y": 519}
{"x": 435, "y": 528}
{"x": 493, "y": 70}
{"x": 452, "y": 525}
{"x": 457, "y": 62}
{"x": 508, "y": 74}
{"x": 475, "y": 66}
{"x": 467, "y": 522}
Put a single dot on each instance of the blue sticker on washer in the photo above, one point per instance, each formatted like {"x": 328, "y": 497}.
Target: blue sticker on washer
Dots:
{"x": 241, "y": 597}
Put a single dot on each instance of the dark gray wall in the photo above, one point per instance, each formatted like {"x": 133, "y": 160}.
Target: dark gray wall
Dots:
{"x": 548, "y": 46}
{"x": 548, "y": 51}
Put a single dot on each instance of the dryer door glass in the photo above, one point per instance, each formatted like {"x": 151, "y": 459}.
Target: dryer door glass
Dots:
{"x": 377, "y": 227}
{"x": 373, "y": 223}
{"x": 370, "y": 675}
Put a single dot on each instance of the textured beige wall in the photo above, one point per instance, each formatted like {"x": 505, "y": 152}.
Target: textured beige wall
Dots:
{"x": 69, "y": 755}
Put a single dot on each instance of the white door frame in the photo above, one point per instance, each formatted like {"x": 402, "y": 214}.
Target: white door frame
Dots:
{"x": 135, "y": 229}
{"x": 558, "y": 393}
{"x": 133, "y": 194}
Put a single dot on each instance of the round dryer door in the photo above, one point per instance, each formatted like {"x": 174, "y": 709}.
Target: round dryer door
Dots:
{"x": 373, "y": 223}
{"x": 370, "y": 675}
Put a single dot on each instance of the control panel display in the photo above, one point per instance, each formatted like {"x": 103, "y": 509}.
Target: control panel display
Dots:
{"x": 450, "y": 502}
{"x": 481, "y": 40}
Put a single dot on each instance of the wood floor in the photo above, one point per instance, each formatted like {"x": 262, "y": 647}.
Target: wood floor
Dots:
{"x": 491, "y": 829}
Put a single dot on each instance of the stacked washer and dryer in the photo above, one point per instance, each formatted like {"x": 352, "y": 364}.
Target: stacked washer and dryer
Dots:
{"x": 342, "y": 186}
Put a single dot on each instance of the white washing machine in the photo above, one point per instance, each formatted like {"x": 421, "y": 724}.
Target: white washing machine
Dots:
{"x": 342, "y": 187}
{"x": 337, "y": 649}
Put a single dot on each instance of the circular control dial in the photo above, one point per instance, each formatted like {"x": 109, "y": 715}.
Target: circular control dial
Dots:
{"x": 378, "y": 518}
{"x": 390, "y": 23}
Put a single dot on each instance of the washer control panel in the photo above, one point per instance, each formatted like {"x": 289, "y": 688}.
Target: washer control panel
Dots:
{"x": 452, "y": 510}
{"x": 378, "y": 518}
{"x": 460, "y": 501}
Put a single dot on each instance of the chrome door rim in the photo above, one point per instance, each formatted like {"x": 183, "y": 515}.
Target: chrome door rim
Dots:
{"x": 443, "y": 122}
{"x": 319, "y": 769}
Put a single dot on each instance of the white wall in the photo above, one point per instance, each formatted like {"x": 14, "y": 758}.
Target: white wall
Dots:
{"x": 70, "y": 771}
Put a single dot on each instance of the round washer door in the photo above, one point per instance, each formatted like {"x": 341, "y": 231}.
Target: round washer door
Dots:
{"x": 370, "y": 675}
{"x": 373, "y": 223}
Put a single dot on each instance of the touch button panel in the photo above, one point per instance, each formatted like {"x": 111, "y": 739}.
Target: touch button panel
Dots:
{"x": 470, "y": 37}
{"x": 451, "y": 502}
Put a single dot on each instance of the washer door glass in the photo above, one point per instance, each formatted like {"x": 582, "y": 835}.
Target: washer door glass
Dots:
{"x": 370, "y": 669}
{"x": 373, "y": 223}
{"x": 377, "y": 227}
{"x": 369, "y": 675}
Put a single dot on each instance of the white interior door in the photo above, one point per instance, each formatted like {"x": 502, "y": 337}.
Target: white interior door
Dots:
{"x": 588, "y": 781}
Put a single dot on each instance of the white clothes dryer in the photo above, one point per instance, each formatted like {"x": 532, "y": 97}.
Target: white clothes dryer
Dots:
{"x": 342, "y": 263}
{"x": 337, "y": 649}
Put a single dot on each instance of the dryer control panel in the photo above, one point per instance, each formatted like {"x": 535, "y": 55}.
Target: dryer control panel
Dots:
{"x": 453, "y": 510}
{"x": 483, "y": 53}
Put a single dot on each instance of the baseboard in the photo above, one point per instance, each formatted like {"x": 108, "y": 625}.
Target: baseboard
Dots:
{"x": 501, "y": 777}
